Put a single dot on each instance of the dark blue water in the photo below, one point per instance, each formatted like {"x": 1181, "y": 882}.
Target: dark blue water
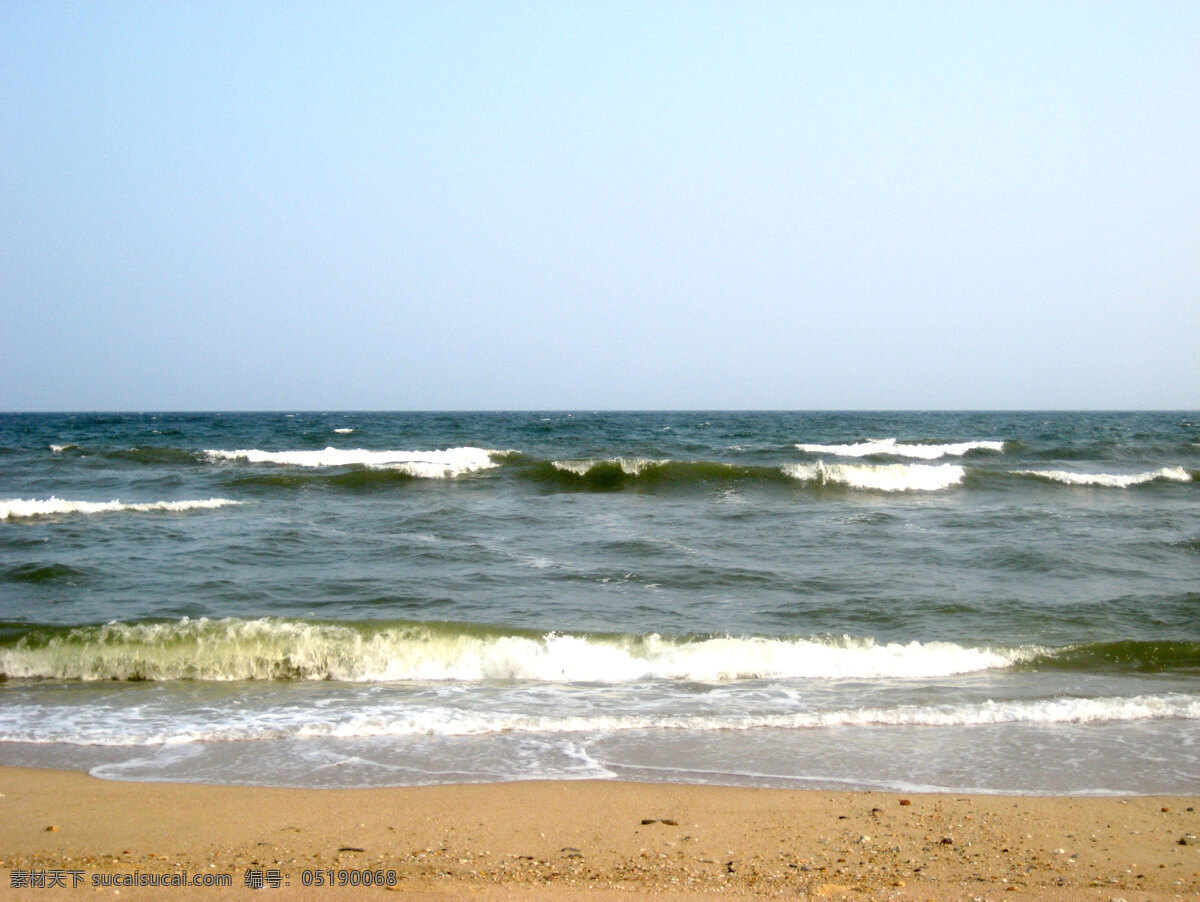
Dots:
{"x": 1004, "y": 601}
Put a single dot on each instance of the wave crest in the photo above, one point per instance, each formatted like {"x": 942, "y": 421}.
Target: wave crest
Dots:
{"x": 16, "y": 508}
{"x": 630, "y": 466}
{"x": 268, "y": 649}
{"x": 442, "y": 464}
{"x": 1109, "y": 480}
{"x": 880, "y": 477}
{"x": 895, "y": 448}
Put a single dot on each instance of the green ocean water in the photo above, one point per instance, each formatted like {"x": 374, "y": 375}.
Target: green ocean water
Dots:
{"x": 962, "y": 601}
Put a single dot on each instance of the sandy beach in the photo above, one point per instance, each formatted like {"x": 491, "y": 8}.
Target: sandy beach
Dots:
{"x": 583, "y": 840}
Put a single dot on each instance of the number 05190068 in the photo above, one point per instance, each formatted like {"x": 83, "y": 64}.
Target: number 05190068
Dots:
{"x": 348, "y": 877}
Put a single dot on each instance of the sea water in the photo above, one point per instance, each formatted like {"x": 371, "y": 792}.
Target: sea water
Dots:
{"x": 999, "y": 602}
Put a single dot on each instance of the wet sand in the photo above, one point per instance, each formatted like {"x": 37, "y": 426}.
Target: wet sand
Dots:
{"x": 585, "y": 840}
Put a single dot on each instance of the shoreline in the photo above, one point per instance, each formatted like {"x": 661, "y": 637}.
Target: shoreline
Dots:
{"x": 590, "y": 840}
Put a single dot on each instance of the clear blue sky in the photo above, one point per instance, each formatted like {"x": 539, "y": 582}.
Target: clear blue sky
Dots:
{"x": 441, "y": 205}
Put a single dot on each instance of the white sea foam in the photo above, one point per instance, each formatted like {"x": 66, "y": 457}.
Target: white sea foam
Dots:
{"x": 630, "y": 466}
{"x": 425, "y": 464}
{"x": 549, "y": 715}
{"x": 458, "y": 722}
{"x": 1109, "y": 480}
{"x": 344, "y": 430}
{"x": 58, "y": 449}
{"x": 235, "y": 649}
{"x": 902, "y": 449}
{"x": 14, "y": 508}
{"x": 881, "y": 477}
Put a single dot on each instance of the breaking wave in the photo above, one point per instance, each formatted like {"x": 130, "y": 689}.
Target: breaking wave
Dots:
{"x": 894, "y": 448}
{"x": 630, "y": 466}
{"x": 1109, "y": 480}
{"x": 270, "y": 649}
{"x": 619, "y": 472}
{"x": 422, "y": 464}
{"x": 880, "y": 477}
{"x": 16, "y": 508}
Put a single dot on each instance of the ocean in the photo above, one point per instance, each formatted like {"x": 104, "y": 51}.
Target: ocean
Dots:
{"x": 967, "y": 602}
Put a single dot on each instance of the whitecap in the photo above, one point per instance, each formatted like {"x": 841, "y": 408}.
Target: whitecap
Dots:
{"x": 425, "y": 464}
{"x": 14, "y": 508}
{"x": 895, "y": 448}
{"x": 1109, "y": 480}
{"x": 880, "y": 477}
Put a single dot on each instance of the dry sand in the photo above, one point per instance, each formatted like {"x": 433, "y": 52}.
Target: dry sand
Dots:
{"x": 591, "y": 840}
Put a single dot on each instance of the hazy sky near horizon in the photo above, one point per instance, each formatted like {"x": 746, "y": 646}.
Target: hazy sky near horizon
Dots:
{"x": 565, "y": 205}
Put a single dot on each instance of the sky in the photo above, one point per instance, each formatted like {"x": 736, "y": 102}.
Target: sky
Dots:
{"x": 599, "y": 205}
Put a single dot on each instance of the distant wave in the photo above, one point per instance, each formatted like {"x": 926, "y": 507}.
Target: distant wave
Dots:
{"x": 147, "y": 454}
{"x": 354, "y": 479}
{"x": 157, "y": 454}
{"x": 37, "y": 573}
{"x": 618, "y": 472}
{"x": 270, "y": 649}
{"x": 608, "y": 474}
{"x": 14, "y": 508}
{"x": 1109, "y": 480}
{"x": 891, "y": 446}
{"x": 344, "y": 430}
{"x": 423, "y": 464}
{"x": 880, "y": 477}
